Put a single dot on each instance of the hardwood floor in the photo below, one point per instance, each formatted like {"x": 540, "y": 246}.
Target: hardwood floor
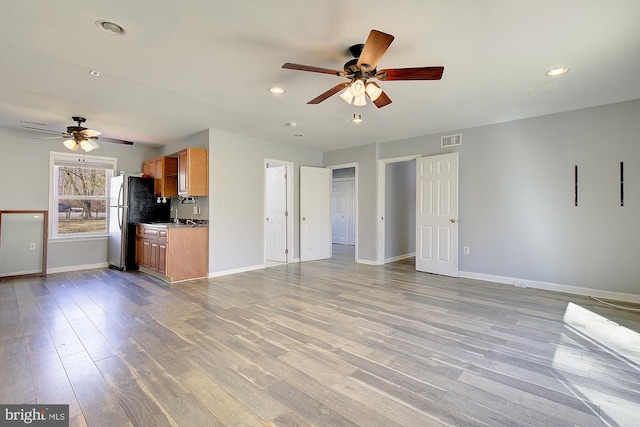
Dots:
{"x": 324, "y": 343}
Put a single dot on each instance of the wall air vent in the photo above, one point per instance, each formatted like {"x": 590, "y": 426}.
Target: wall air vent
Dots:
{"x": 451, "y": 140}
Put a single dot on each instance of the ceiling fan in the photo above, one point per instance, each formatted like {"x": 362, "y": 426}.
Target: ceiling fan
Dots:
{"x": 362, "y": 68}
{"x": 79, "y": 136}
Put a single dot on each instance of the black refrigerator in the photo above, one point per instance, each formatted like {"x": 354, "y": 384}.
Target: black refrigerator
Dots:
{"x": 131, "y": 200}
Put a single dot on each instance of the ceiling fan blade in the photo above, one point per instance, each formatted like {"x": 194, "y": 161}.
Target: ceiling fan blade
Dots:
{"x": 113, "y": 140}
{"x": 41, "y": 130}
{"x": 382, "y": 99}
{"x": 419, "y": 73}
{"x": 89, "y": 133}
{"x": 49, "y": 137}
{"x": 337, "y": 88}
{"x": 299, "y": 67}
{"x": 376, "y": 45}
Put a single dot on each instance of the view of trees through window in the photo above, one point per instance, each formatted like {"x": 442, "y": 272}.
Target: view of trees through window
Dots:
{"x": 82, "y": 199}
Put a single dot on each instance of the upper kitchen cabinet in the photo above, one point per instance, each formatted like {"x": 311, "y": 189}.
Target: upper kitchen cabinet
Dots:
{"x": 193, "y": 172}
{"x": 164, "y": 171}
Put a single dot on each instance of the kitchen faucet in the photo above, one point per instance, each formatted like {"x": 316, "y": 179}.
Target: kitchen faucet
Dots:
{"x": 176, "y": 218}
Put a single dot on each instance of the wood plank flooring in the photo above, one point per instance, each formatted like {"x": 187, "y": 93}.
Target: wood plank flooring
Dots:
{"x": 323, "y": 343}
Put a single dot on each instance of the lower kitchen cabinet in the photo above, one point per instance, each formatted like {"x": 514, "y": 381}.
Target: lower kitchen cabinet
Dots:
{"x": 173, "y": 253}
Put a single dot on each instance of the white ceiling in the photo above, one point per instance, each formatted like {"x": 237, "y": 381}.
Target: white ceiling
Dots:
{"x": 188, "y": 65}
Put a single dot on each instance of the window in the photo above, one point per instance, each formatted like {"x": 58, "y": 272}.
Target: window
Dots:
{"x": 79, "y": 195}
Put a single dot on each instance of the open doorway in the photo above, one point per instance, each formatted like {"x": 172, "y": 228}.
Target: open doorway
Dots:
{"x": 397, "y": 209}
{"x": 344, "y": 210}
{"x": 278, "y": 212}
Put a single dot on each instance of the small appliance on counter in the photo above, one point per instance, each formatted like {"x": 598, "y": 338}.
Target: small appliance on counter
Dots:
{"x": 131, "y": 200}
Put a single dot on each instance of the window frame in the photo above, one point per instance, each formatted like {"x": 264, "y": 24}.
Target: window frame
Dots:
{"x": 57, "y": 159}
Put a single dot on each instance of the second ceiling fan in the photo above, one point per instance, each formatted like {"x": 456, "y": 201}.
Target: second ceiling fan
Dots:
{"x": 363, "y": 68}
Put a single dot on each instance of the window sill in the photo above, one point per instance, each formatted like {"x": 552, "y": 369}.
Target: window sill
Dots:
{"x": 76, "y": 239}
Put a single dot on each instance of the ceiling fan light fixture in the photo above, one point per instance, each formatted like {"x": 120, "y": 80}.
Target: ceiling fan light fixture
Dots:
{"x": 84, "y": 144}
{"x": 360, "y": 101}
{"x": 357, "y": 88}
{"x": 71, "y": 144}
{"x": 373, "y": 91}
{"x": 347, "y": 96}
{"x": 88, "y": 145}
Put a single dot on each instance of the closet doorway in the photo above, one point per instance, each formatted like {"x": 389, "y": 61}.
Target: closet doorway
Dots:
{"x": 344, "y": 207}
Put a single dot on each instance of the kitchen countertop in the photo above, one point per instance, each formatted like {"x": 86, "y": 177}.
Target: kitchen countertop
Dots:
{"x": 172, "y": 224}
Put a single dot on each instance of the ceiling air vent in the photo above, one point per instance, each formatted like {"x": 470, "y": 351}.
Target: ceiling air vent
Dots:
{"x": 451, "y": 140}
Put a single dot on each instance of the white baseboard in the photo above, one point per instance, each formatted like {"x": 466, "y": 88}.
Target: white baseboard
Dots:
{"x": 366, "y": 261}
{"x": 68, "y": 268}
{"x": 235, "y": 270}
{"x": 525, "y": 283}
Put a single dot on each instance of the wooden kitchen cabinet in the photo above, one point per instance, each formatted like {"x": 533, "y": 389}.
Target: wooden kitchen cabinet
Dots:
{"x": 164, "y": 171}
{"x": 173, "y": 253}
{"x": 151, "y": 247}
{"x": 193, "y": 172}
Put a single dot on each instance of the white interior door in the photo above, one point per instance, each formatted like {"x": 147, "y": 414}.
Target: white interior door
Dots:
{"x": 437, "y": 214}
{"x": 342, "y": 212}
{"x": 276, "y": 211}
{"x": 315, "y": 213}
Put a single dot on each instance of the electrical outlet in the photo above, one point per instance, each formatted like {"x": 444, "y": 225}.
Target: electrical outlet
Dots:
{"x": 32, "y": 246}
{"x": 465, "y": 250}
{"x": 196, "y": 210}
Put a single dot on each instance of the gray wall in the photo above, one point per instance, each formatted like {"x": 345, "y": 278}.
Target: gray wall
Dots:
{"x": 236, "y": 193}
{"x": 516, "y": 197}
{"x": 400, "y": 210}
{"x": 24, "y": 184}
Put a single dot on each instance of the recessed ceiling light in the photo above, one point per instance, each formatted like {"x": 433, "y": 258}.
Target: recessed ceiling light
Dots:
{"x": 292, "y": 124}
{"x": 557, "y": 71}
{"x": 94, "y": 73}
{"x": 298, "y": 135}
{"x": 276, "y": 90}
{"x": 111, "y": 27}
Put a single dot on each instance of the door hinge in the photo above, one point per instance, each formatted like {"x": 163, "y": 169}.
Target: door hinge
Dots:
{"x": 286, "y": 214}
{"x": 286, "y": 251}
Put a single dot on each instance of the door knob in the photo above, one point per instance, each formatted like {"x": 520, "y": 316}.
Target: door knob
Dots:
{"x": 303, "y": 218}
{"x": 453, "y": 220}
